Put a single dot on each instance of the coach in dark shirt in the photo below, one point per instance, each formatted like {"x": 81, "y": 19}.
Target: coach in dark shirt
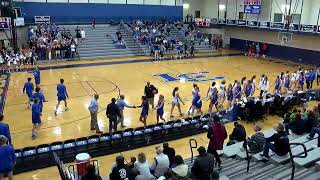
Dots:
{"x": 113, "y": 113}
{"x": 202, "y": 167}
{"x": 280, "y": 143}
{"x": 148, "y": 92}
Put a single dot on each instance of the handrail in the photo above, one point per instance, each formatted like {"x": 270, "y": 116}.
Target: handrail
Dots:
{"x": 248, "y": 154}
{"x": 192, "y": 147}
{"x": 304, "y": 155}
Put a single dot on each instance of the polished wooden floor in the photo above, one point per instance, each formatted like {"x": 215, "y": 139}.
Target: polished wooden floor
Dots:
{"x": 121, "y": 78}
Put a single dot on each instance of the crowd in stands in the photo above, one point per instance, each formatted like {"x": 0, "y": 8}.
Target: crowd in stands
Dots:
{"x": 159, "y": 39}
{"x": 50, "y": 42}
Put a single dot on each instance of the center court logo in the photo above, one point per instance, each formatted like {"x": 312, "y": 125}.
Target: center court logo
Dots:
{"x": 189, "y": 77}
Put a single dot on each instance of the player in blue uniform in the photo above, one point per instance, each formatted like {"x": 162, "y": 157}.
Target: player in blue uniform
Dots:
{"x": 28, "y": 90}
{"x": 62, "y": 96}
{"x": 248, "y": 89}
{"x": 237, "y": 91}
{"x": 277, "y": 86}
{"x": 301, "y": 81}
{"x": 159, "y": 108}
{"x": 197, "y": 102}
{"x": 287, "y": 83}
{"x": 36, "y": 74}
{"x": 36, "y": 120}
{"x": 38, "y": 95}
{"x": 229, "y": 96}
{"x": 144, "y": 111}
{"x": 213, "y": 100}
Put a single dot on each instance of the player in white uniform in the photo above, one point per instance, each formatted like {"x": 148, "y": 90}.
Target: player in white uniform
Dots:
{"x": 193, "y": 95}
{"x": 176, "y": 101}
{"x": 210, "y": 90}
{"x": 222, "y": 93}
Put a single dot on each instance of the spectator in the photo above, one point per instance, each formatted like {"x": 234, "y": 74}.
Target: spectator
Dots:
{"x": 315, "y": 130}
{"x": 143, "y": 168}
{"x": 160, "y": 164}
{"x": 296, "y": 123}
{"x": 7, "y": 158}
{"x": 91, "y": 174}
{"x": 149, "y": 93}
{"x": 216, "y": 134}
{"x": 4, "y": 129}
{"x": 83, "y": 35}
{"x": 256, "y": 141}
{"x": 280, "y": 143}
{"x": 238, "y": 134}
{"x": 202, "y": 168}
{"x": 120, "y": 171}
{"x": 180, "y": 171}
{"x": 170, "y": 152}
{"x": 310, "y": 122}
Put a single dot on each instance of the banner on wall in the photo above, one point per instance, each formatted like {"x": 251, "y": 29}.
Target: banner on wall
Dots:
{"x": 202, "y": 22}
{"x": 42, "y": 19}
{"x": 252, "y": 6}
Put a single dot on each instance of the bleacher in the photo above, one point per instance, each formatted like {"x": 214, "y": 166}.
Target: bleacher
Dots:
{"x": 235, "y": 161}
{"x": 98, "y": 45}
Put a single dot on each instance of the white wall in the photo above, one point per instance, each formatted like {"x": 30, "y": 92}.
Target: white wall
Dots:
{"x": 194, "y": 5}
{"x": 298, "y": 41}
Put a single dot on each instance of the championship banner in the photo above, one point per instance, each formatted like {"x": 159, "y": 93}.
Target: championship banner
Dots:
{"x": 252, "y": 6}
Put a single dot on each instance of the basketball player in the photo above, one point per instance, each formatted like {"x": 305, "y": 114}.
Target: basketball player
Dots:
{"x": 287, "y": 83}
{"x": 214, "y": 100}
{"x": 159, "y": 108}
{"x": 254, "y": 84}
{"x": 36, "y": 74}
{"x": 222, "y": 93}
{"x": 176, "y": 101}
{"x": 28, "y": 90}
{"x": 300, "y": 81}
{"x": 237, "y": 91}
{"x": 229, "y": 97}
{"x": 38, "y": 95}
{"x": 211, "y": 89}
{"x": 248, "y": 89}
{"x": 144, "y": 111}
{"x": 62, "y": 96}
{"x": 197, "y": 102}
{"x": 193, "y": 95}
{"x": 36, "y": 114}
{"x": 277, "y": 86}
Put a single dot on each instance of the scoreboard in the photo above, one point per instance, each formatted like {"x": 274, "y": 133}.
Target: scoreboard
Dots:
{"x": 252, "y": 6}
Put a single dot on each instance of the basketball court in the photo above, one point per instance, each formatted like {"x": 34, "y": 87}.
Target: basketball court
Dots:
{"x": 128, "y": 77}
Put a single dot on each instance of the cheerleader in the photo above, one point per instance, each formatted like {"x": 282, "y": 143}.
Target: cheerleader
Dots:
{"x": 237, "y": 91}
{"x": 222, "y": 93}
{"x": 159, "y": 108}
{"x": 176, "y": 101}
{"x": 144, "y": 111}
{"x": 193, "y": 95}
{"x": 287, "y": 83}
{"x": 248, "y": 89}
{"x": 213, "y": 100}
{"x": 300, "y": 81}
{"x": 229, "y": 96}
{"x": 197, "y": 102}
{"x": 254, "y": 84}
{"x": 277, "y": 86}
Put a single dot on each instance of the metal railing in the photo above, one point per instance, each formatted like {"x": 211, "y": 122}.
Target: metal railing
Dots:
{"x": 75, "y": 175}
{"x": 193, "y": 145}
{"x": 304, "y": 155}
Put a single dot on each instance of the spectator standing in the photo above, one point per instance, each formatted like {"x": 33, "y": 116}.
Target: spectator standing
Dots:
{"x": 170, "y": 152}
{"x": 120, "y": 171}
{"x": 113, "y": 113}
{"x": 121, "y": 105}
{"x": 7, "y": 159}
{"x": 216, "y": 134}
{"x": 93, "y": 108}
{"x": 149, "y": 91}
{"x": 4, "y": 129}
{"x": 91, "y": 174}
{"x": 160, "y": 163}
{"x": 83, "y": 35}
{"x": 280, "y": 143}
{"x": 202, "y": 168}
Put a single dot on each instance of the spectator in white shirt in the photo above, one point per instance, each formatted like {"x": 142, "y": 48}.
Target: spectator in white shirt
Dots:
{"x": 143, "y": 168}
{"x": 83, "y": 35}
{"x": 160, "y": 163}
